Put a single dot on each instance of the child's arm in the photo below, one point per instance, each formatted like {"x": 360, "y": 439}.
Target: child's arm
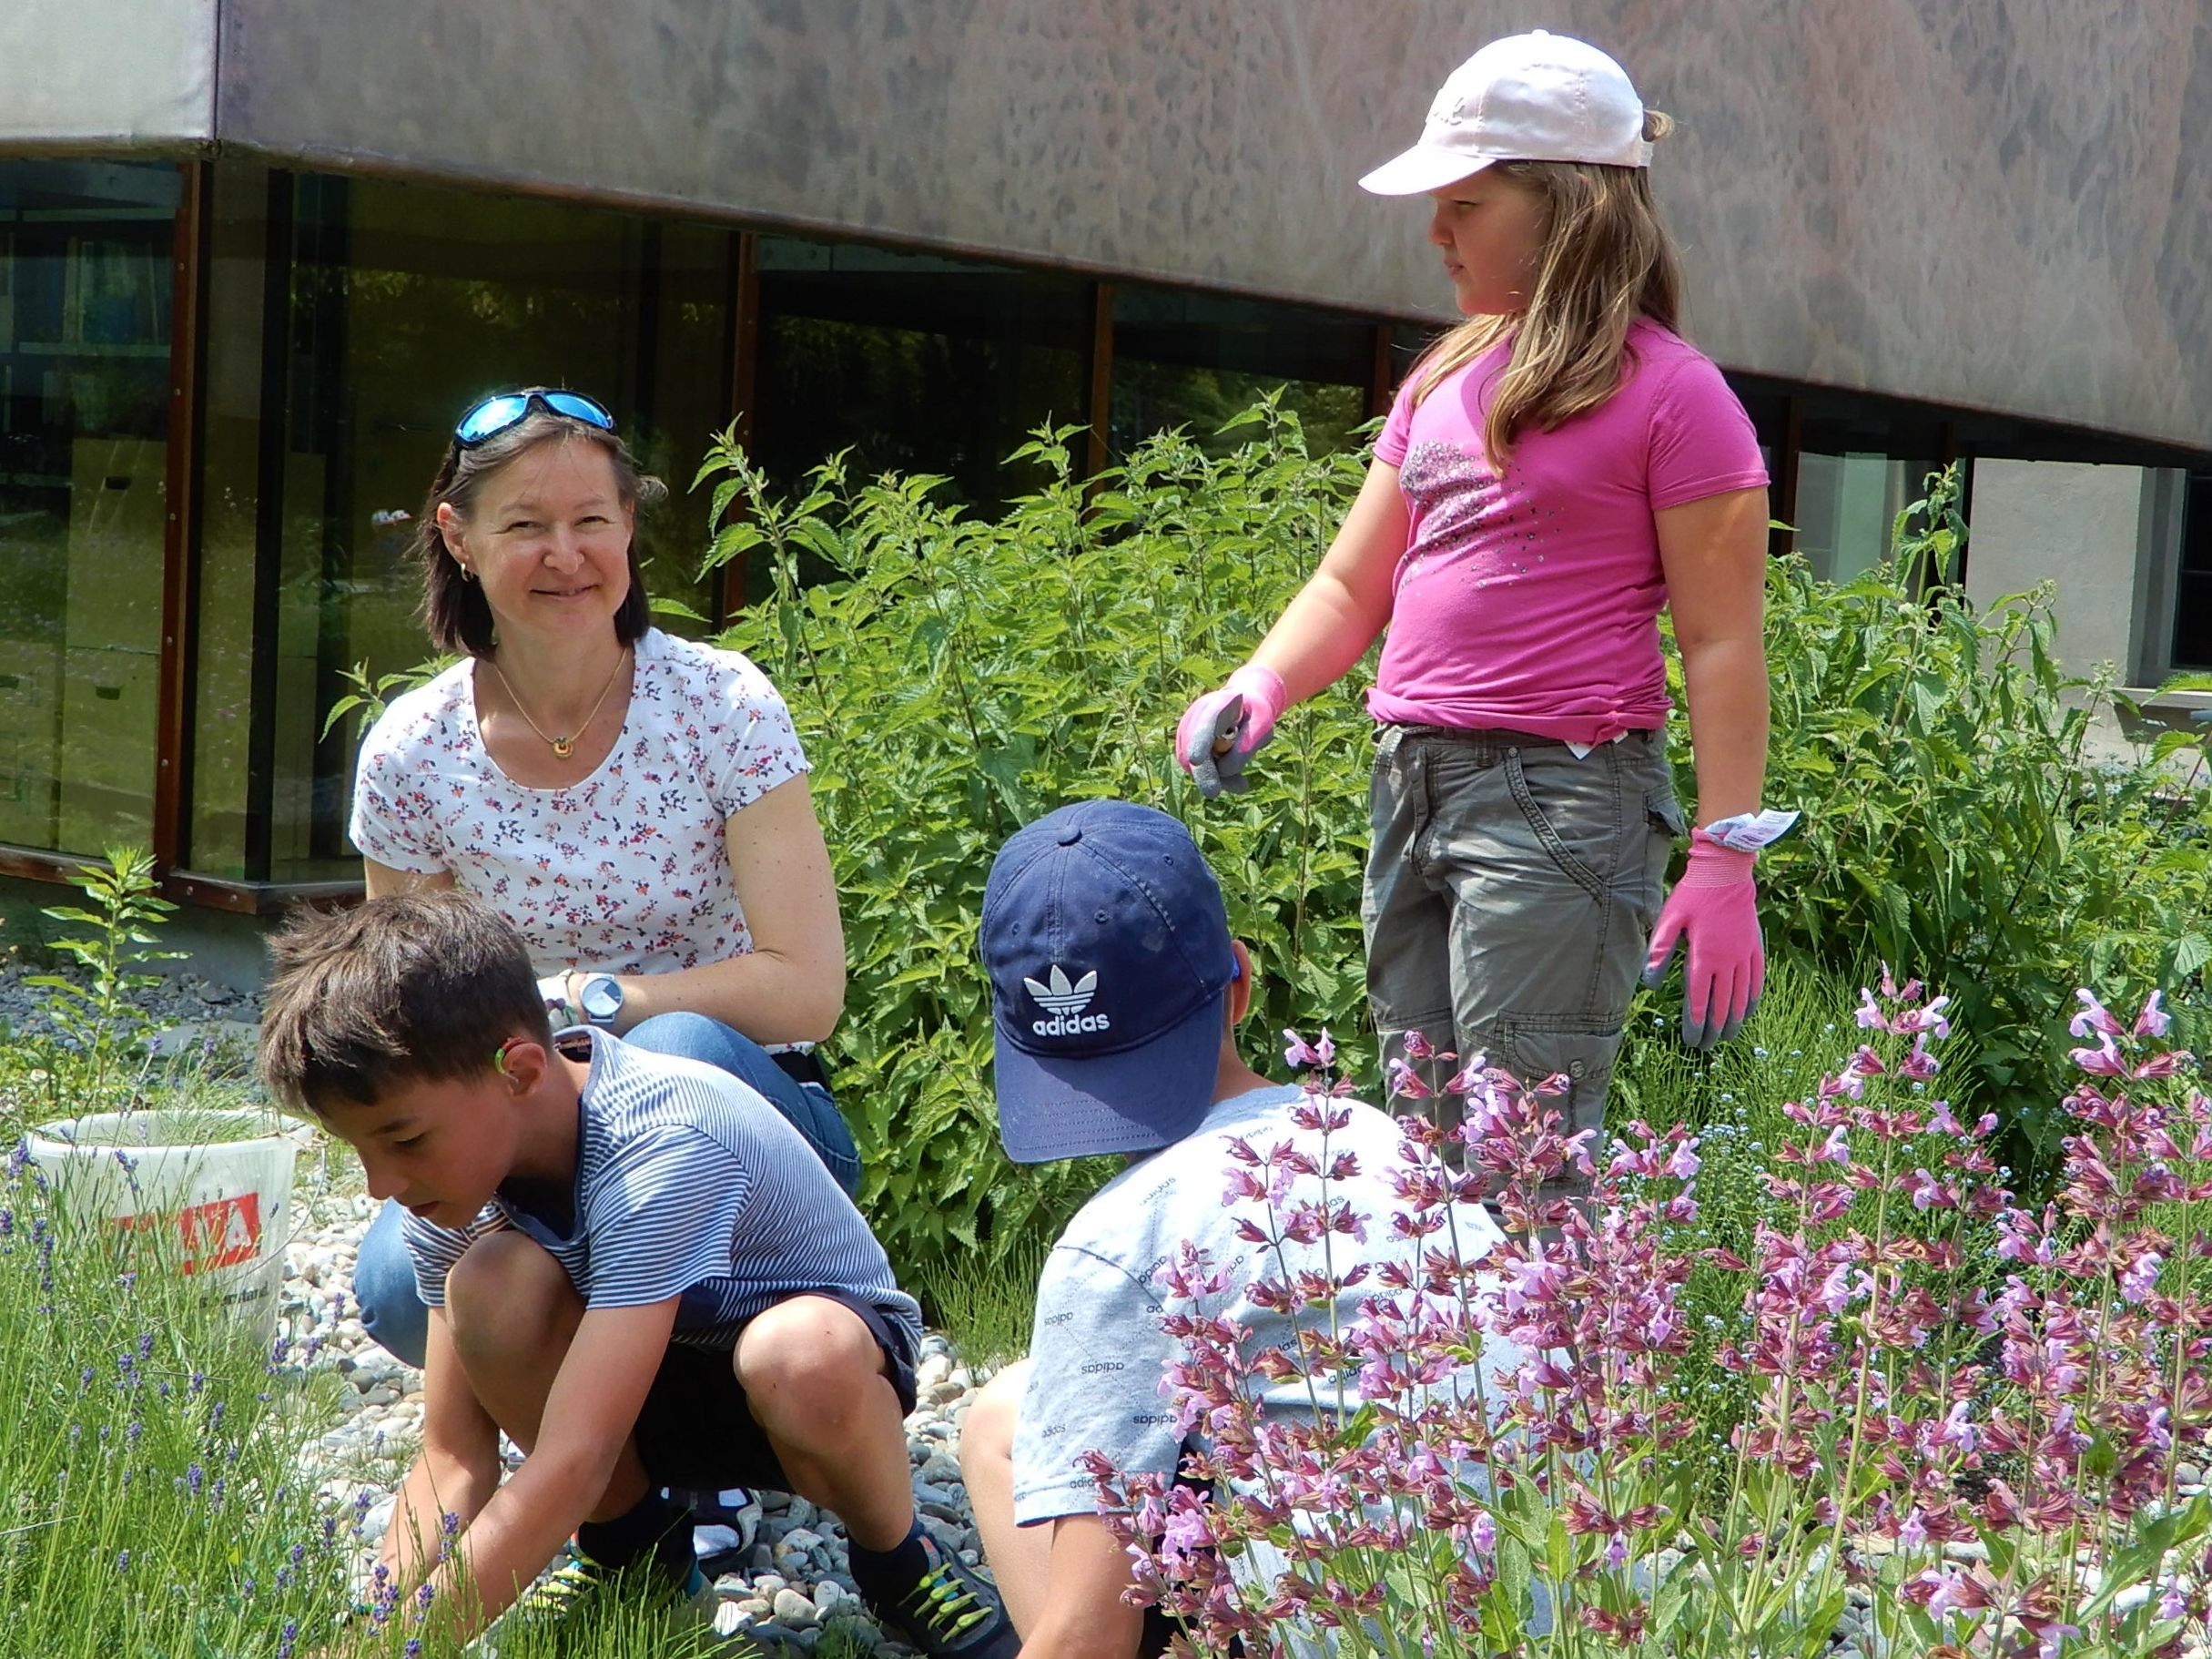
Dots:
{"x": 1328, "y": 624}
{"x": 1713, "y": 552}
{"x": 1336, "y": 616}
{"x": 579, "y": 1463}
{"x": 1084, "y": 1616}
{"x": 457, "y": 1470}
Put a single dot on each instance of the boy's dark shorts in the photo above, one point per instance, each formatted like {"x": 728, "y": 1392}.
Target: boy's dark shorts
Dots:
{"x": 696, "y": 1430}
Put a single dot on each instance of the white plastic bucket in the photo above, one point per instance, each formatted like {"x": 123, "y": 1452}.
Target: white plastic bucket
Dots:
{"x": 223, "y": 1207}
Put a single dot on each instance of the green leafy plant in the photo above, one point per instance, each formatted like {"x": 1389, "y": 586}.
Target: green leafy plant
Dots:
{"x": 1955, "y": 814}
{"x": 372, "y": 694}
{"x": 954, "y": 678}
{"x": 96, "y": 1012}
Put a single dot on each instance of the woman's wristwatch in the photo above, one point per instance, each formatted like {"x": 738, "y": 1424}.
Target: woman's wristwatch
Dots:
{"x": 599, "y": 995}
{"x": 597, "y": 999}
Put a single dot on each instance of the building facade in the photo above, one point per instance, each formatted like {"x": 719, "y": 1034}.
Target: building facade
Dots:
{"x": 256, "y": 255}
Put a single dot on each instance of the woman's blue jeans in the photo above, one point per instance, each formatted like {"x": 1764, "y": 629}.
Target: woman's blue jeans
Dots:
{"x": 384, "y": 1276}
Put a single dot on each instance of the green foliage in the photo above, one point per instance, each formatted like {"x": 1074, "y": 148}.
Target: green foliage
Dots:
{"x": 986, "y": 1309}
{"x": 372, "y": 692}
{"x": 1957, "y": 823}
{"x": 957, "y": 678}
{"x": 102, "y": 1027}
{"x": 149, "y": 1503}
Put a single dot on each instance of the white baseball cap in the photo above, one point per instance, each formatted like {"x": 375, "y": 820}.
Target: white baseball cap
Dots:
{"x": 1538, "y": 96}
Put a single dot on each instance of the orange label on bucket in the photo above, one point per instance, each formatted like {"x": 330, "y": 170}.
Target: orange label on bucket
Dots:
{"x": 220, "y": 1234}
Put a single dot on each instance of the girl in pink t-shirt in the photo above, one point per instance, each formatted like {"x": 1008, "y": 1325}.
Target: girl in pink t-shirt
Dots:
{"x": 1553, "y": 470}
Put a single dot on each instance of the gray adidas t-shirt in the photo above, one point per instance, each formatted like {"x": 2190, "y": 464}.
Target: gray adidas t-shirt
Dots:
{"x": 690, "y": 1184}
{"x": 1098, "y": 1355}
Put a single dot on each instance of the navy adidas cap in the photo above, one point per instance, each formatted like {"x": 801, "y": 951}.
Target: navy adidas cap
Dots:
{"x": 1107, "y": 952}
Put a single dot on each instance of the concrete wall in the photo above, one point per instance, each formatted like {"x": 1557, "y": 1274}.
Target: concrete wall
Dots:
{"x": 1989, "y": 202}
{"x": 1984, "y": 202}
{"x": 2079, "y": 526}
{"x": 106, "y": 74}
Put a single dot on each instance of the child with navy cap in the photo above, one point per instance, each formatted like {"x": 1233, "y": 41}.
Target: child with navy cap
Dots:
{"x": 1116, "y": 990}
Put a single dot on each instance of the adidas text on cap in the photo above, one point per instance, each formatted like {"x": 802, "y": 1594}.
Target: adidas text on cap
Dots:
{"x": 1108, "y": 953}
{"x": 1538, "y": 96}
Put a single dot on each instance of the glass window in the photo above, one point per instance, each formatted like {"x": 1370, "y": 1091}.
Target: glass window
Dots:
{"x": 227, "y": 741}
{"x": 913, "y": 363}
{"x": 1847, "y": 504}
{"x": 1195, "y": 360}
{"x": 2193, "y": 586}
{"x": 405, "y": 304}
{"x": 84, "y": 294}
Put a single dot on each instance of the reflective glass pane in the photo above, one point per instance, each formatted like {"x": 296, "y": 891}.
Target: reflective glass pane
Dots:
{"x": 1847, "y": 505}
{"x": 84, "y": 294}
{"x": 1195, "y": 360}
{"x": 913, "y": 363}
{"x": 2193, "y": 586}
{"x": 218, "y": 807}
{"x": 406, "y": 305}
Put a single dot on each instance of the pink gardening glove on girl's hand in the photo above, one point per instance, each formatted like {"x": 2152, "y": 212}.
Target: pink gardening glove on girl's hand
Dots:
{"x": 1220, "y": 731}
{"x": 1716, "y": 904}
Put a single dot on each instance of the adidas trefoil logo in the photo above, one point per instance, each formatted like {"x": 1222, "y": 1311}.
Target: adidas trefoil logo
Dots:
{"x": 1065, "y": 1003}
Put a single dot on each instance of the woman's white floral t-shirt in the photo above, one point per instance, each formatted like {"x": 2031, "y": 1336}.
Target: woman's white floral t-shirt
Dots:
{"x": 627, "y": 871}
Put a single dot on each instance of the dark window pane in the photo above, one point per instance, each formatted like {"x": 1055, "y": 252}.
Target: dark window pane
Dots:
{"x": 2193, "y": 587}
{"x": 1196, "y": 359}
{"x": 223, "y": 703}
{"x": 916, "y": 364}
{"x": 407, "y": 303}
{"x": 84, "y": 293}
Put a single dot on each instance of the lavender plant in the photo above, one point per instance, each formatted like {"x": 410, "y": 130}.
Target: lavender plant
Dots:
{"x": 149, "y": 1503}
{"x": 1932, "y": 1457}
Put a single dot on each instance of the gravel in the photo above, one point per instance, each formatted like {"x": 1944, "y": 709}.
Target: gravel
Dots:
{"x": 191, "y": 1008}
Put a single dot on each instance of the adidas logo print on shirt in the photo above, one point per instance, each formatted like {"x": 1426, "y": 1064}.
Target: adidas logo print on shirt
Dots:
{"x": 1065, "y": 1003}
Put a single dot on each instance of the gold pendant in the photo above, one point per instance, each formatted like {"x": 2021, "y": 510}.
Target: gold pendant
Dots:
{"x": 561, "y": 746}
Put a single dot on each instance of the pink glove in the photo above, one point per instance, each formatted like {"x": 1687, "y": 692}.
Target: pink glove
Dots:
{"x": 1716, "y": 904}
{"x": 1220, "y": 731}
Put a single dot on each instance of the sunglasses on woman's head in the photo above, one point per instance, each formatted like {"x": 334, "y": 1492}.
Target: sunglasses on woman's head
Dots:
{"x": 504, "y": 410}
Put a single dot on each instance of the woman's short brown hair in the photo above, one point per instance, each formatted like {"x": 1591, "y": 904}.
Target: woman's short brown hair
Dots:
{"x": 454, "y": 613}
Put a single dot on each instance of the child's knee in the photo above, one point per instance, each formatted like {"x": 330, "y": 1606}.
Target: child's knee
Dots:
{"x": 987, "y": 1433}
{"x": 809, "y": 1350}
{"x": 507, "y": 1294}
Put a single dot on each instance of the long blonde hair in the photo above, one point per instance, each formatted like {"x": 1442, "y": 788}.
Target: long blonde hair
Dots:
{"x": 1607, "y": 260}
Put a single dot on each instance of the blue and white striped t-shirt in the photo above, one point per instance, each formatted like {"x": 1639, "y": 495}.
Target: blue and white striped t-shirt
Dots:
{"x": 688, "y": 1183}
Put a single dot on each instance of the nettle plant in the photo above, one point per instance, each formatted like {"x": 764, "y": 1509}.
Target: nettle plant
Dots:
{"x": 954, "y": 678}
{"x": 1929, "y": 1457}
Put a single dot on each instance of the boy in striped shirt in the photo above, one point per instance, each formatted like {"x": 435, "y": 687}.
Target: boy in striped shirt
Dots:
{"x": 634, "y": 1267}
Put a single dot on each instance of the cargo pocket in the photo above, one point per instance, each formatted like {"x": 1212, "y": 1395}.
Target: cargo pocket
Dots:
{"x": 1547, "y": 834}
{"x": 1580, "y": 1047}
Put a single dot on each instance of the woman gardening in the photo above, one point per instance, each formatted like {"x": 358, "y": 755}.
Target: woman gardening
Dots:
{"x": 1553, "y": 470}
{"x": 634, "y": 804}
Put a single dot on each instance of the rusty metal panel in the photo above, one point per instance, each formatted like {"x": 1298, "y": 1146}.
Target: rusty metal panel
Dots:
{"x": 1982, "y": 202}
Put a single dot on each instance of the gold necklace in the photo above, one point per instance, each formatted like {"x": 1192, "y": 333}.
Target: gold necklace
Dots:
{"x": 564, "y": 746}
